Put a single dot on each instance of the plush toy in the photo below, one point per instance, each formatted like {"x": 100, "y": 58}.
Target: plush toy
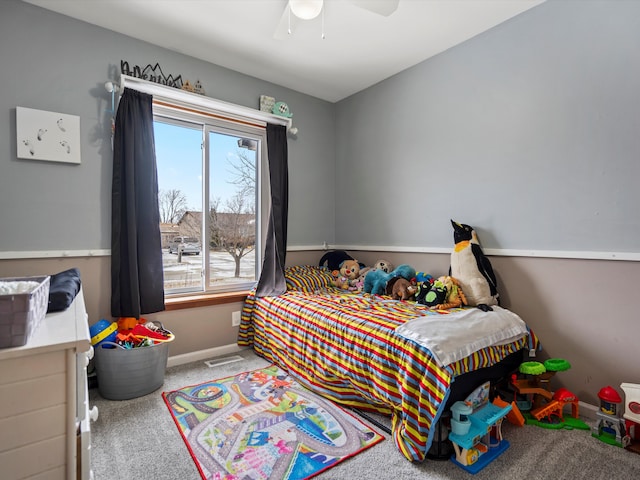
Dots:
{"x": 375, "y": 282}
{"x": 333, "y": 259}
{"x": 350, "y": 269}
{"x": 401, "y": 289}
{"x": 432, "y": 294}
{"x": 422, "y": 289}
{"x": 340, "y": 281}
{"x": 404, "y": 271}
{"x": 348, "y": 274}
{"x": 455, "y": 295}
{"x": 358, "y": 283}
{"x": 383, "y": 265}
{"x": 472, "y": 268}
{"x": 422, "y": 277}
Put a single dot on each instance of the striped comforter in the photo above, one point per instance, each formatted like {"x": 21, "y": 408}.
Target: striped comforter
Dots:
{"x": 344, "y": 346}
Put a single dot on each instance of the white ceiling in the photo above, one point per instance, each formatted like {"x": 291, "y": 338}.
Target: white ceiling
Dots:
{"x": 360, "y": 47}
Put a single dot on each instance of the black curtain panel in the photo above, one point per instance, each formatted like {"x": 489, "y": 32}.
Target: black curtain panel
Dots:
{"x": 137, "y": 281}
{"x": 272, "y": 281}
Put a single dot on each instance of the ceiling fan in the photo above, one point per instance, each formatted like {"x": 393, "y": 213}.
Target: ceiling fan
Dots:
{"x": 297, "y": 10}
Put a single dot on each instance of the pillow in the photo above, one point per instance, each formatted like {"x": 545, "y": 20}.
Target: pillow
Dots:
{"x": 306, "y": 278}
{"x": 63, "y": 288}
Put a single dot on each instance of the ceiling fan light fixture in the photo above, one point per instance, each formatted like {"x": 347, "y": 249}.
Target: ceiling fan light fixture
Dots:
{"x": 306, "y": 9}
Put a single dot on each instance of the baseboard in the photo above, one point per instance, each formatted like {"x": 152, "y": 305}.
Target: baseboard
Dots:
{"x": 588, "y": 411}
{"x": 203, "y": 354}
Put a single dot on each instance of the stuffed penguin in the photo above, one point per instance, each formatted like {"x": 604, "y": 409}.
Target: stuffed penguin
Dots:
{"x": 472, "y": 268}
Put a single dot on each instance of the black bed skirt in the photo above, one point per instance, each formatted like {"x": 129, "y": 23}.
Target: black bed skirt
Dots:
{"x": 466, "y": 383}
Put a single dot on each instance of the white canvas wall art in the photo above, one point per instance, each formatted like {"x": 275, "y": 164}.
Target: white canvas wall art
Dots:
{"x": 48, "y": 136}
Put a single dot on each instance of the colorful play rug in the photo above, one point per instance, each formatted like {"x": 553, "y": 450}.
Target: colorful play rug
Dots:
{"x": 263, "y": 425}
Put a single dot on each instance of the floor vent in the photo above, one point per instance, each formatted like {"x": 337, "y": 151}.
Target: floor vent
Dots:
{"x": 216, "y": 362}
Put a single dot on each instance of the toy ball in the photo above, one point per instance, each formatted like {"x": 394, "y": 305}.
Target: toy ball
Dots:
{"x": 103, "y": 330}
{"x": 383, "y": 265}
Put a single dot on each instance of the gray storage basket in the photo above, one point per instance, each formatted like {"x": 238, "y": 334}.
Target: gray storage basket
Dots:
{"x": 22, "y": 313}
{"x": 129, "y": 373}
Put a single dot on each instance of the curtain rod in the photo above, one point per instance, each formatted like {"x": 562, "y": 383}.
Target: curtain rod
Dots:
{"x": 184, "y": 98}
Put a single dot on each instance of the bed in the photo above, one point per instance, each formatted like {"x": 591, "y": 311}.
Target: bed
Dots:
{"x": 351, "y": 349}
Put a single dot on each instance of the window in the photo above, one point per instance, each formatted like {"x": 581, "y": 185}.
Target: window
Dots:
{"x": 209, "y": 196}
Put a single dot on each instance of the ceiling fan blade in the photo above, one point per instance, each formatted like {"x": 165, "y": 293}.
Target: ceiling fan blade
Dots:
{"x": 285, "y": 25}
{"x": 381, "y": 7}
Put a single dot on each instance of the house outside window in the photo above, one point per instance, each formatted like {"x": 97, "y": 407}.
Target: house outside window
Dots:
{"x": 211, "y": 201}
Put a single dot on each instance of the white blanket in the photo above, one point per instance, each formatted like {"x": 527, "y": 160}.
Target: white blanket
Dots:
{"x": 453, "y": 336}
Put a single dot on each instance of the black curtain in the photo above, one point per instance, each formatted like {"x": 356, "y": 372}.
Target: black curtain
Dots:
{"x": 137, "y": 281}
{"x": 272, "y": 281}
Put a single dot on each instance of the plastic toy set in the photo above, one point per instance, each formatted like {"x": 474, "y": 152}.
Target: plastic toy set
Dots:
{"x": 476, "y": 424}
{"x": 541, "y": 406}
{"x": 610, "y": 428}
{"x": 476, "y": 430}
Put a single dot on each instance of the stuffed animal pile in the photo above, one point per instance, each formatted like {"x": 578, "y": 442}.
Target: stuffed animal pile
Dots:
{"x": 441, "y": 294}
{"x": 471, "y": 280}
{"x": 348, "y": 273}
{"x": 376, "y": 281}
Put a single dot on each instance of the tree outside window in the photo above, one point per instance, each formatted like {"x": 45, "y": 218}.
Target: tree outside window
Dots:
{"x": 187, "y": 153}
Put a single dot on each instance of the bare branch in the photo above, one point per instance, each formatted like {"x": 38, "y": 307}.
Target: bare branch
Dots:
{"x": 172, "y": 204}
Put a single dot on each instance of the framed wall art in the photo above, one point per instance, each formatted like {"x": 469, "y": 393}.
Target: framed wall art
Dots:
{"x": 48, "y": 136}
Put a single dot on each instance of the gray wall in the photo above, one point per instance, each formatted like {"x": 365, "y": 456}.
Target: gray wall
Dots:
{"x": 54, "y": 63}
{"x": 529, "y": 132}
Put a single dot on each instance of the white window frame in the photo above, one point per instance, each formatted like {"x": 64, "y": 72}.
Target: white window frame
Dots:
{"x": 207, "y": 126}
{"x": 170, "y": 103}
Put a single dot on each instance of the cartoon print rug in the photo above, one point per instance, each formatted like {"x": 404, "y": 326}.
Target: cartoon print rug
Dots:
{"x": 263, "y": 425}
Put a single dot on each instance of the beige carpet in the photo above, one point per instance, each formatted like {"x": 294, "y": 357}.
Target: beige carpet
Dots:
{"x": 137, "y": 439}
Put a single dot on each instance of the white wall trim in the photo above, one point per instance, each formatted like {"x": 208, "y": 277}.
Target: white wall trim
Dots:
{"x": 496, "y": 252}
{"x": 581, "y": 255}
{"x": 54, "y": 254}
{"x": 202, "y": 355}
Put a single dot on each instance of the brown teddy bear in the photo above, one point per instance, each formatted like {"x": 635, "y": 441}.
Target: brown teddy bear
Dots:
{"x": 401, "y": 289}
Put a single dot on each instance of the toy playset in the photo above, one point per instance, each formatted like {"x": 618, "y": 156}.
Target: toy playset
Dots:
{"x": 540, "y": 405}
{"x": 610, "y": 427}
{"x": 631, "y": 440}
{"x": 476, "y": 430}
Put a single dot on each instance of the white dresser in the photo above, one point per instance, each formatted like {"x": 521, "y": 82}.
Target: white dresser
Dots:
{"x": 44, "y": 405}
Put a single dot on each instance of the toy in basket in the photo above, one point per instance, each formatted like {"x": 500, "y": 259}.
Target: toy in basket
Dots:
{"x": 133, "y": 365}
{"x": 103, "y": 330}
